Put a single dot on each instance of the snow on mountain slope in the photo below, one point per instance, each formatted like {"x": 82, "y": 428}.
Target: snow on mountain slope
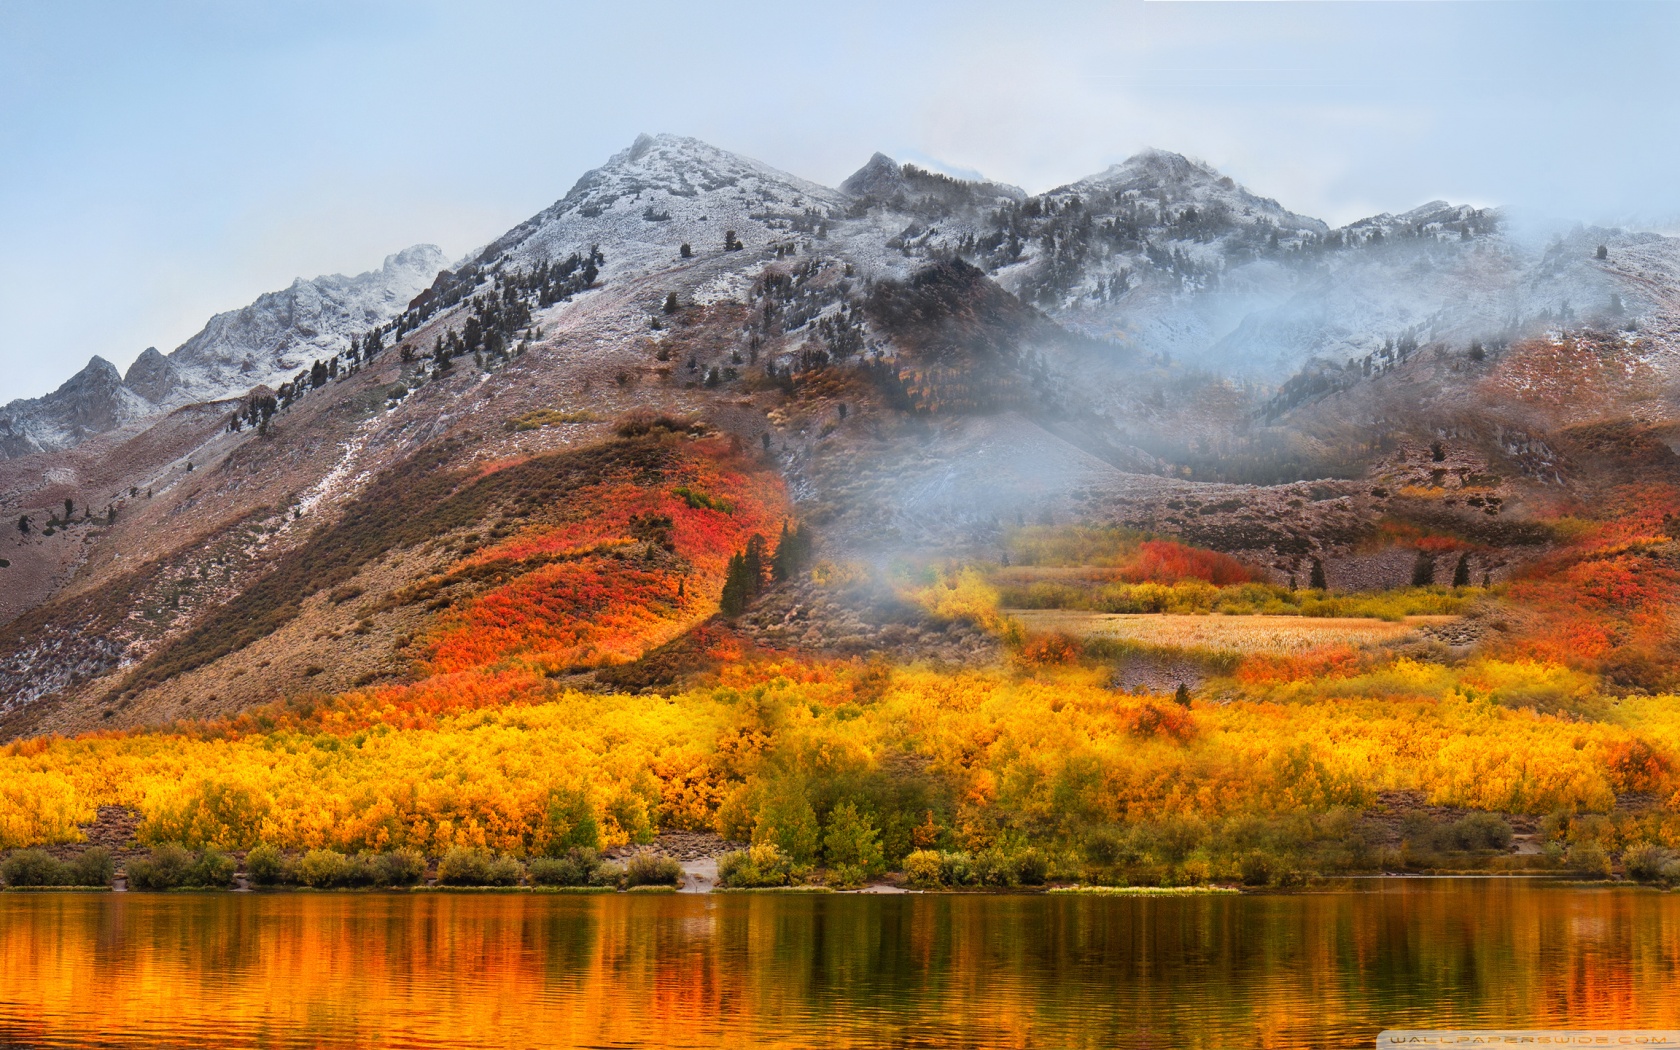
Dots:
{"x": 665, "y": 191}
{"x": 1168, "y": 181}
{"x": 264, "y": 343}
{"x": 1161, "y": 252}
{"x": 1169, "y": 256}
{"x": 282, "y": 332}
{"x": 90, "y": 402}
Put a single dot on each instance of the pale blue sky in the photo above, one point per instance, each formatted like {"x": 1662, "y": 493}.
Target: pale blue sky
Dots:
{"x": 165, "y": 160}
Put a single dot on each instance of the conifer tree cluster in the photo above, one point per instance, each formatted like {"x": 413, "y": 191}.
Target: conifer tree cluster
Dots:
{"x": 749, "y": 569}
{"x": 743, "y": 579}
{"x": 499, "y": 314}
{"x": 254, "y": 411}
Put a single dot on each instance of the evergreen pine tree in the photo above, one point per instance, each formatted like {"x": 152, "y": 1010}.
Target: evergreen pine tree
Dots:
{"x": 1461, "y": 573}
{"x": 756, "y": 564}
{"x": 1182, "y": 696}
{"x": 735, "y": 592}
{"x": 1317, "y": 581}
{"x": 687, "y": 252}
{"x": 1423, "y": 570}
{"x": 24, "y": 524}
{"x": 671, "y": 303}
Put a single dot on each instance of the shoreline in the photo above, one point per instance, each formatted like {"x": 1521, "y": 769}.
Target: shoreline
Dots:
{"x": 1314, "y": 883}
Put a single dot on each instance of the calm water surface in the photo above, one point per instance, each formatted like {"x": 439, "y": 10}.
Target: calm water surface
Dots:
{"x": 1324, "y": 969}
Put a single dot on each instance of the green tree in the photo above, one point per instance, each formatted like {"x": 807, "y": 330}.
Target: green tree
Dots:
{"x": 755, "y": 563}
{"x": 671, "y": 302}
{"x": 787, "y": 821}
{"x": 1461, "y": 572}
{"x": 1423, "y": 570}
{"x": 687, "y": 252}
{"x": 736, "y": 592}
{"x": 25, "y": 525}
{"x": 793, "y": 548}
{"x": 571, "y": 823}
{"x": 1317, "y": 581}
{"x": 852, "y": 841}
{"x": 1182, "y": 696}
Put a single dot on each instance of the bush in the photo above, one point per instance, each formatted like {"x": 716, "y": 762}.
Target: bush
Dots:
{"x": 33, "y": 867}
{"x": 1646, "y": 863}
{"x": 323, "y": 868}
{"x": 992, "y": 867}
{"x": 579, "y": 867}
{"x": 641, "y": 421}
{"x": 168, "y": 866}
{"x": 929, "y": 869}
{"x": 646, "y": 869}
{"x": 265, "y": 867}
{"x": 1478, "y": 831}
{"x": 476, "y": 867}
{"x": 1256, "y": 868}
{"x": 93, "y": 868}
{"x": 922, "y": 869}
{"x": 956, "y": 869}
{"x": 403, "y": 867}
{"x": 213, "y": 870}
{"x": 847, "y": 876}
{"x": 1106, "y": 846}
{"x": 1589, "y": 859}
{"x": 762, "y": 865}
{"x": 1032, "y": 867}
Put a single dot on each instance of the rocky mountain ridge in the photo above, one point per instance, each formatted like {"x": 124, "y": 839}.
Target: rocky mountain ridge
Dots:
{"x": 264, "y": 343}
{"x": 1161, "y": 252}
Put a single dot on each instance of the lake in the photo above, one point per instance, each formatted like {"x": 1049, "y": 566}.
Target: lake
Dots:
{"x": 1313, "y": 969}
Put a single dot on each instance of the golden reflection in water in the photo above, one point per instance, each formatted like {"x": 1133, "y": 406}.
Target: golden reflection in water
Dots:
{"x": 501, "y": 970}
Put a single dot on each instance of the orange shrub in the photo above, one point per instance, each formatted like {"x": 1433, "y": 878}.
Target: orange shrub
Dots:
{"x": 1166, "y": 561}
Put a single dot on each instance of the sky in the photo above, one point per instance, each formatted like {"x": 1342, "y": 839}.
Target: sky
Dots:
{"x": 163, "y": 162}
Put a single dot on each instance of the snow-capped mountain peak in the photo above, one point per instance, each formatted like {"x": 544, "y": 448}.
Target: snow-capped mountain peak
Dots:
{"x": 1174, "y": 181}
{"x": 265, "y": 342}
{"x": 664, "y": 191}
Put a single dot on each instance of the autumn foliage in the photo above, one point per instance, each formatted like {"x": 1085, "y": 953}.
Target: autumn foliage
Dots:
{"x": 630, "y": 566}
{"x": 494, "y": 747}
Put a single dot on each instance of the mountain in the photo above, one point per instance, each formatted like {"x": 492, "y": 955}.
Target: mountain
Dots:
{"x": 910, "y": 365}
{"x": 260, "y": 344}
{"x": 1172, "y": 257}
{"x": 662, "y": 192}
{"x": 90, "y": 402}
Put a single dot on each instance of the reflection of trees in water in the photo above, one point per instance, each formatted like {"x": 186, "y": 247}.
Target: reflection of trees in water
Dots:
{"x": 479, "y": 970}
